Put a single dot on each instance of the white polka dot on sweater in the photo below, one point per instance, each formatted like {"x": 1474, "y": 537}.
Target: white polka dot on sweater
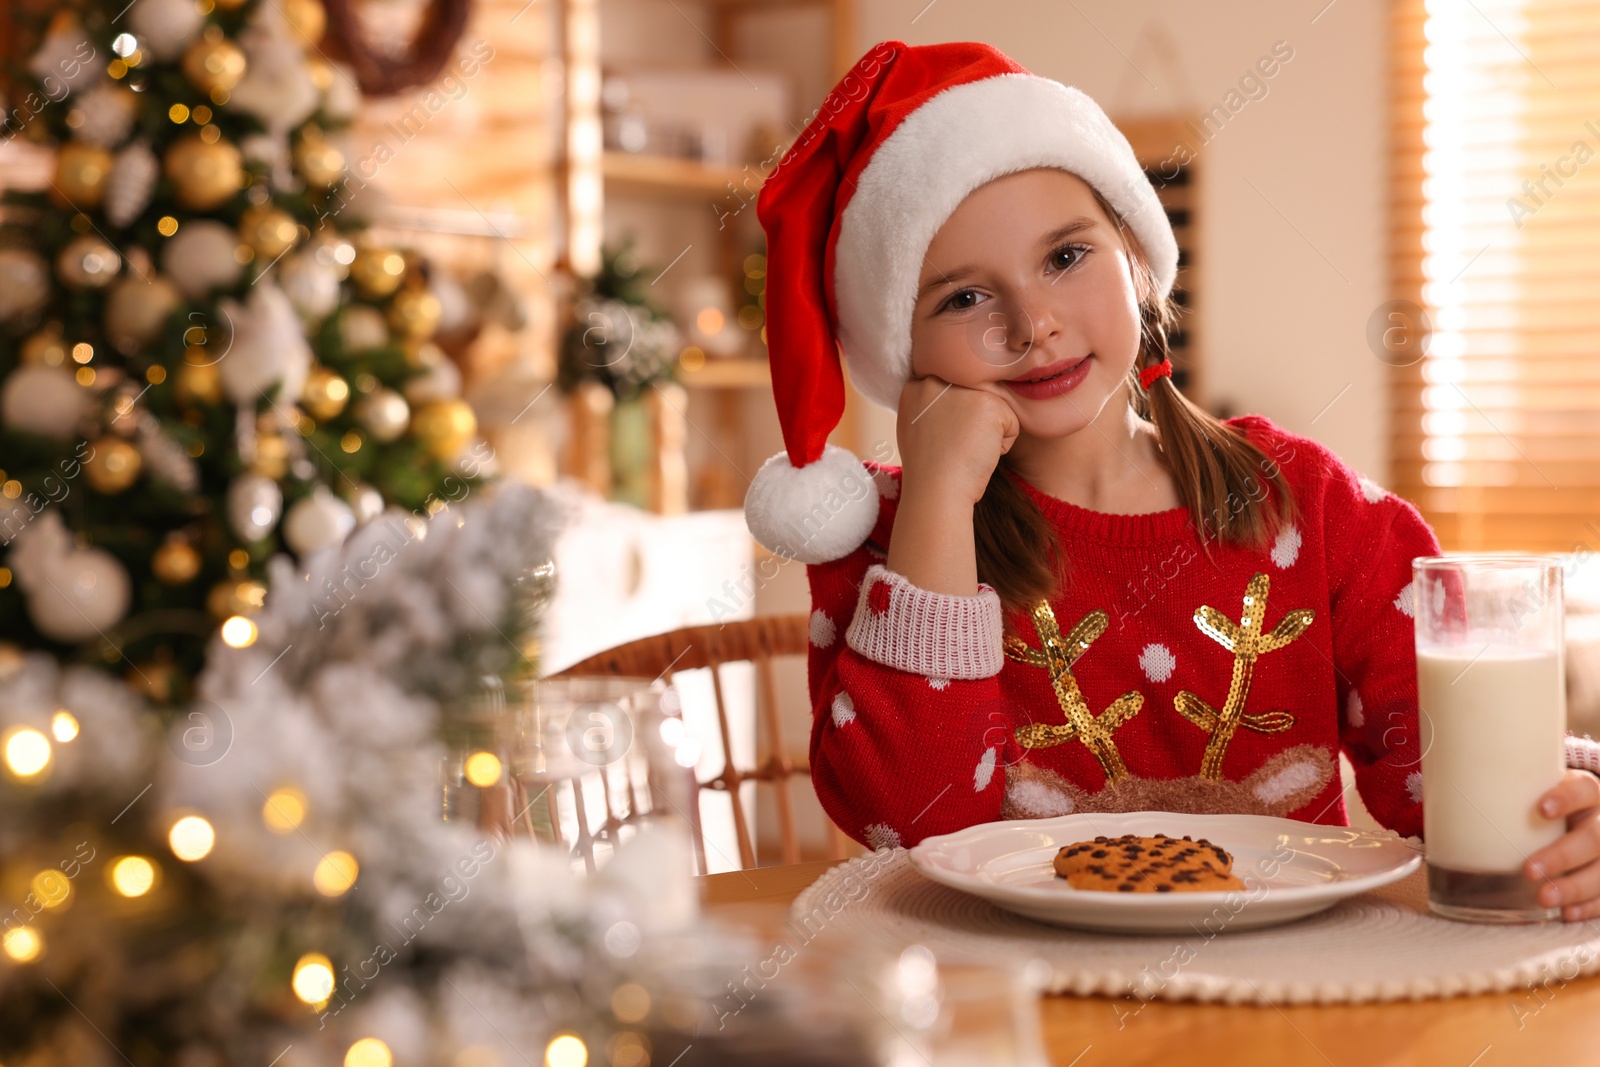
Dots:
{"x": 844, "y": 709}
{"x": 881, "y": 835}
{"x": 984, "y": 771}
{"x": 1414, "y": 785}
{"x": 1355, "y": 711}
{"x": 938, "y": 682}
{"x": 1286, "y": 549}
{"x": 1372, "y": 490}
{"x": 1406, "y": 602}
{"x": 888, "y": 487}
{"x": 823, "y": 630}
{"x": 1157, "y": 662}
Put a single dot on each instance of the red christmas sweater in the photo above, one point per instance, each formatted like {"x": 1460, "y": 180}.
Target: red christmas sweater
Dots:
{"x": 1158, "y": 678}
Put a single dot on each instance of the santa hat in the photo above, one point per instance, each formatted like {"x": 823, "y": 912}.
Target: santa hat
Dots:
{"x": 849, "y": 213}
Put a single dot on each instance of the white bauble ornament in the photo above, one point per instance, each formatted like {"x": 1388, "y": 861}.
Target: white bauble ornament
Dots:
{"x": 268, "y": 348}
{"x": 362, "y": 327}
{"x": 457, "y": 315}
{"x": 277, "y": 88}
{"x": 318, "y": 521}
{"x": 43, "y": 400}
{"x": 132, "y": 179}
{"x": 137, "y": 309}
{"x": 384, "y": 413}
{"x": 366, "y": 501}
{"x": 166, "y": 26}
{"x": 106, "y": 114}
{"x": 201, "y": 258}
{"x": 24, "y": 284}
{"x": 65, "y": 61}
{"x": 270, "y": 151}
{"x": 87, "y": 594}
{"x": 440, "y": 381}
{"x": 342, "y": 99}
{"x": 255, "y": 503}
{"x": 311, "y": 286}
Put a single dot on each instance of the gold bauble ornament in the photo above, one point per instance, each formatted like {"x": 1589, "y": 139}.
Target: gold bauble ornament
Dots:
{"x": 81, "y": 173}
{"x": 234, "y": 597}
{"x": 444, "y": 427}
{"x": 137, "y": 310}
{"x": 198, "y": 381}
{"x": 114, "y": 465}
{"x": 175, "y": 562}
{"x": 318, "y": 160}
{"x": 214, "y": 65}
{"x": 414, "y": 314}
{"x": 88, "y": 262}
{"x": 272, "y": 457}
{"x": 377, "y": 272}
{"x": 307, "y": 21}
{"x": 270, "y": 231}
{"x": 325, "y": 394}
{"x": 45, "y": 347}
{"x": 204, "y": 174}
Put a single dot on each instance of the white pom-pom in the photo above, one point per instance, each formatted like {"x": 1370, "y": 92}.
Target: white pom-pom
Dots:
{"x": 130, "y": 183}
{"x": 816, "y": 513}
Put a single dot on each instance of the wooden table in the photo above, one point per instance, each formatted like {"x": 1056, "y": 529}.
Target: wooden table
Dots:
{"x": 1555, "y": 1025}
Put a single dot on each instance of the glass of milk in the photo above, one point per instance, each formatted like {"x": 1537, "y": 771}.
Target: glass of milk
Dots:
{"x": 1492, "y": 698}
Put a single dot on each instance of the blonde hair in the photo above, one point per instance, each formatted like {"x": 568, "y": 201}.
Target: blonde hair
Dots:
{"x": 1231, "y": 489}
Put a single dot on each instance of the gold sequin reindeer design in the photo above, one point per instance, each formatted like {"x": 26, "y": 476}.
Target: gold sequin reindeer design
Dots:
{"x": 1286, "y": 781}
{"x": 1247, "y": 643}
{"x": 1056, "y": 655}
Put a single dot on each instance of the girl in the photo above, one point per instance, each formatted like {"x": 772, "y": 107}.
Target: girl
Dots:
{"x": 1079, "y": 592}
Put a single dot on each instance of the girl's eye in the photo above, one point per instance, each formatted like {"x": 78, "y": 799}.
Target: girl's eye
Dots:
{"x": 1077, "y": 252}
{"x": 953, "y": 302}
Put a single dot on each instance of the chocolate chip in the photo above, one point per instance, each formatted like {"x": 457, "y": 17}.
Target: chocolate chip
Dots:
{"x": 1125, "y": 887}
{"x": 1099, "y": 853}
{"x": 1163, "y": 889}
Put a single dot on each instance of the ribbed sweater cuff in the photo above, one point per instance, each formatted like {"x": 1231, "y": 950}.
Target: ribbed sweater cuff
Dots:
{"x": 904, "y": 626}
{"x": 1583, "y": 753}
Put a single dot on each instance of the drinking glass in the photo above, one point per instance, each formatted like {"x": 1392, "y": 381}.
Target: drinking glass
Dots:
{"x": 1492, "y": 698}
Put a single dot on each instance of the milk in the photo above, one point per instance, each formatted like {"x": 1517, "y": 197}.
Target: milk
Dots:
{"x": 1492, "y": 729}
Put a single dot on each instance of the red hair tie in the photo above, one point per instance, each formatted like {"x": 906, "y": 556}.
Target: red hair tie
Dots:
{"x": 1148, "y": 376}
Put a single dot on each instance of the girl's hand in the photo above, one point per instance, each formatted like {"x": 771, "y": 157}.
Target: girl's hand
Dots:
{"x": 952, "y": 437}
{"x": 1568, "y": 865}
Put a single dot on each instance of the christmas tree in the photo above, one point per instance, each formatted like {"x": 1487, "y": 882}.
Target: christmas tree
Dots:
{"x": 203, "y": 363}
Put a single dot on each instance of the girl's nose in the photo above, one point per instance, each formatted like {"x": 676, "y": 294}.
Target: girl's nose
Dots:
{"x": 1034, "y": 319}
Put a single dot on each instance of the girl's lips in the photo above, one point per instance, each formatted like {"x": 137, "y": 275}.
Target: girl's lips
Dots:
{"x": 1063, "y": 382}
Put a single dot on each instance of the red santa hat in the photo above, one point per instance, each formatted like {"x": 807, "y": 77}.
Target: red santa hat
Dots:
{"x": 849, "y": 212}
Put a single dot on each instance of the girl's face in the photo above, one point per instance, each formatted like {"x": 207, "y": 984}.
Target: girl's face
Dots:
{"x": 1029, "y": 277}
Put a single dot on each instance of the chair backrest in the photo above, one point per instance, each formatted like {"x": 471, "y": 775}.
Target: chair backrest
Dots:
{"x": 757, "y": 641}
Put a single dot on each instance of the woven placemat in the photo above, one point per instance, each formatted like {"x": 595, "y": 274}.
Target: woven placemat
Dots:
{"x": 1381, "y": 945}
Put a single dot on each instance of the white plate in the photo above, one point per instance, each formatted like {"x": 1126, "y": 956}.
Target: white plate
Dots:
{"x": 1290, "y": 869}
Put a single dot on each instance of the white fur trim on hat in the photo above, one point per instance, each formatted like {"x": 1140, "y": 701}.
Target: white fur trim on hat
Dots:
{"x": 958, "y": 140}
{"x": 816, "y": 513}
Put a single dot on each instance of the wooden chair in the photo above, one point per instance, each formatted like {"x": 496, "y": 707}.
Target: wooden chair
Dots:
{"x": 756, "y": 641}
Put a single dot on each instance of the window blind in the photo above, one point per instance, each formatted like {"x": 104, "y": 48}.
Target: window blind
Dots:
{"x": 1494, "y": 327}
